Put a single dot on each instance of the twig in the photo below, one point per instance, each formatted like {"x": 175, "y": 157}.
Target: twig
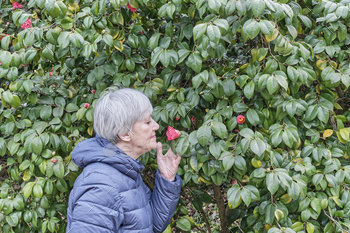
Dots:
{"x": 330, "y": 63}
{"x": 268, "y": 44}
{"x": 280, "y": 226}
{"x": 281, "y": 93}
{"x": 314, "y": 132}
{"x": 339, "y": 99}
{"x": 237, "y": 224}
{"x": 201, "y": 230}
{"x": 272, "y": 199}
{"x": 336, "y": 223}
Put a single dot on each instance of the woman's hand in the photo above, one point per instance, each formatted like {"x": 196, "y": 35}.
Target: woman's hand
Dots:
{"x": 168, "y": 163}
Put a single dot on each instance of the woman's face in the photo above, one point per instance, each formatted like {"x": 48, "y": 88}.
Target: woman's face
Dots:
{"x": 143, "y": 136}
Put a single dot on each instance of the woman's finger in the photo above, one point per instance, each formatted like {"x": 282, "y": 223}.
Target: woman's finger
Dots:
{"x": 178, "y": 159}
{"x": 159, "y": 149}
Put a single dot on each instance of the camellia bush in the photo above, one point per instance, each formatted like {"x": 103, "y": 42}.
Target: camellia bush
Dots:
{"x": 258, "y": 89}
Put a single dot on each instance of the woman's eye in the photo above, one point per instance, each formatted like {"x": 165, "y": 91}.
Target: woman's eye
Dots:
{"x": 149, "y": 122}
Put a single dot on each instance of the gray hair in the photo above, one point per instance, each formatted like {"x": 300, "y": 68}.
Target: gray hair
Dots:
{"x": 116, "y": 112}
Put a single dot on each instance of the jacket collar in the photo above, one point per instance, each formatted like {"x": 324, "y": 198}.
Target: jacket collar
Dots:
{"x": 120, "y": 160}
{"x": 99, "y": 149}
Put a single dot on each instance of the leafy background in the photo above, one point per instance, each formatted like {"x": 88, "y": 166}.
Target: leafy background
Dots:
{"x": 283, "y": 65}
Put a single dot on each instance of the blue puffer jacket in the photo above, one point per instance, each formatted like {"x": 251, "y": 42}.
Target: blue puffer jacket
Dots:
{"x": 109, "y": 195}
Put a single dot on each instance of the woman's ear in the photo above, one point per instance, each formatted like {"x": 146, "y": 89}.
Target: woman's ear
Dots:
{"x": 125, "y": 138}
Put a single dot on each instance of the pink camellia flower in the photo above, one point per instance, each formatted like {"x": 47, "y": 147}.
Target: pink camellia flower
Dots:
{"x": 50, "y": 73}
{"x": 86, "y": 105}
{"x": 172, "y": 133}
{"x": 16, "y": 5}
{"x": 93, "y": 91}
{"x": 26, "y": 24}
{"x": 131, "y": 8}
{"x": 240, "y": 119}
{"x": 53, "y": 160}
{"x": 192, "y": 119}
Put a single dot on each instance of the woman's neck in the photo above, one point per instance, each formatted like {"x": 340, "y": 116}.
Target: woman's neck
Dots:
{"x": 128, "y": 149}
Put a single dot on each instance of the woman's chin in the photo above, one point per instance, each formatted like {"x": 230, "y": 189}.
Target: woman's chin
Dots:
{"x": 153, "y": 145}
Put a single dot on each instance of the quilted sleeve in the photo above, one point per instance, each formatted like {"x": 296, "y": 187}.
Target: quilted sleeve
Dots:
{"x": 164, "y": 201}
{"x": 97, "y": 206}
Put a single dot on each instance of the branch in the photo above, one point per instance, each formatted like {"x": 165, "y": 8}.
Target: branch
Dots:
{"x": 221, "y": 206}
{"x": 205, "y": 220}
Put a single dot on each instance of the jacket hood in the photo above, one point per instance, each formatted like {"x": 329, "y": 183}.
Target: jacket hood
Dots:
{"x": 100, "y": 150}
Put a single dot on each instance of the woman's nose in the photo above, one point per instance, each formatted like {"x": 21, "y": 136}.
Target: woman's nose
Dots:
{"x": 155, "y": 126}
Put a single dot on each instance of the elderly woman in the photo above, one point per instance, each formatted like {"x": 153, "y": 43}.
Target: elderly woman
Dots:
{"x": 110, "y": 195}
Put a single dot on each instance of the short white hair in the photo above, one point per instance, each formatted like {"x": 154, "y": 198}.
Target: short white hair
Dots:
{"x": 116, "y": 112}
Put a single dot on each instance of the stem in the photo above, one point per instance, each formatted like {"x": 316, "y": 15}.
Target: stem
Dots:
{"x": 221, "y": 205}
